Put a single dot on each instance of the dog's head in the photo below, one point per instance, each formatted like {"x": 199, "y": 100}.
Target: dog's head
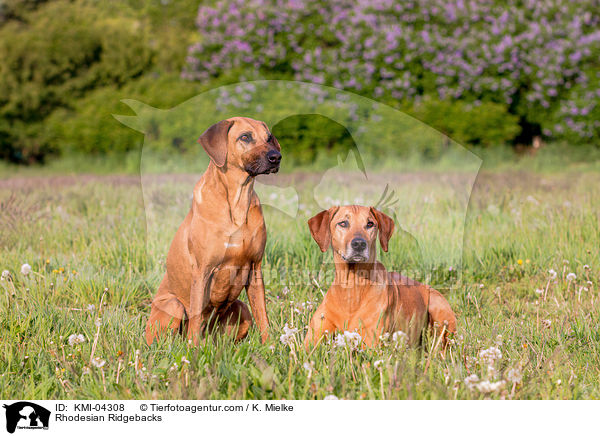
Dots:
{"x": 243, "y": 143}
{"x": 352, "y": 232}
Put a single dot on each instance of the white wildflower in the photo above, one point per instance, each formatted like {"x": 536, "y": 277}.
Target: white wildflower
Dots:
{"x": 348, "y": 339}
{"x": 339, "y": 341}
{"x": 571, "y": 276}
{"x": 285, "y": 290}
{"x": 384, "y": 338}
{"x": 287, "y": 338}
{"x": 378, "y": 364}
{"x": 75, "y": 339}
{"x": 514, "y": 375}
{"x": 353, "y": 339}
{"x": 400, "y": 338}
{"x": 539, "y": 291}
{"x": 25, "y": 269}
{"x": 98, "y": 362}
{"x": 91, "y": 307}
{"x": 184, "y": 360}
{"x": 309, "y": 367}
{"x": 586, "y": 266}
{"x": 471, "y": 381}
{"x": 552, "y": 273}
{"x": 546, "y": 323}
{"x": 488, "y": 387}
{"x": 5, "y": 275}
{"x": 331, "y": 397}
{"x": 490, "y": 355}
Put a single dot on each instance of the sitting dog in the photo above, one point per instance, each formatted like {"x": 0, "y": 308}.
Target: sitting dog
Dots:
{"x": 218, "y": 248}
{"x": 364, "y": 296}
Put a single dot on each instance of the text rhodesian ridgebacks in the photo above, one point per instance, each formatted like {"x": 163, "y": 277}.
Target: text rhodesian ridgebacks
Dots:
{"x": 218, "y": 248}
{"x": 364, "y": 296}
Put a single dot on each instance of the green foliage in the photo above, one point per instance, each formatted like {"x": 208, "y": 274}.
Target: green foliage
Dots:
{"x": 309, "y": 136}
{"x": 67, "y": 64}
{"x": 485, "y": 124}
{"x": 89, "y": 126}
{"x": 17, "y": 9}
{"x": 74, "y": 61}
{"x": 48, "y": 64}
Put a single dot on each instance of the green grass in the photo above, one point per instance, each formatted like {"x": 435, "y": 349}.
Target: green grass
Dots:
{"x": 83, "y": 234}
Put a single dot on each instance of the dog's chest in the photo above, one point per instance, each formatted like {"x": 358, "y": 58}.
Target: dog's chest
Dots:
{"x": 239, "y": 252}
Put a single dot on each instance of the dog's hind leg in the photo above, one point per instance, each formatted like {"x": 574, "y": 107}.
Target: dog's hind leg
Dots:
{"x": 236, "y": 321}
{"x": 166, "y": 313}
{"x": 441, "y": 315}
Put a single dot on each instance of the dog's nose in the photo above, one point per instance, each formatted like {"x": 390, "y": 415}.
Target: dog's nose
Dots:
{"x": 358, "y": 244}
{"x": 274, "y": 156}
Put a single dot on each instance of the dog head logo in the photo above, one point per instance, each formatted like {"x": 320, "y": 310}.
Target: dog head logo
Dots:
{"x": 377, "y": 171}
{"x": 26, "y": 415}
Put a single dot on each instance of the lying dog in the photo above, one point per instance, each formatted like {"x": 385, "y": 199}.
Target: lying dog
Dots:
{"x": 364, "y": 296}
{"x": 218, "y": 248}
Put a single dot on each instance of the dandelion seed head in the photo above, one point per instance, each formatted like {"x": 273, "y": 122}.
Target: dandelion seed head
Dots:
{"x": 76, "y": 339}
{"x": 287, "y": 338}
{"x": 98, "y": 362}
{"x": 309, "y": 367}
{"x": 25, "y": 269}
{"x": 514, "y": 375}
{"x": 471, "y": 381}
{"x": 348, "y": 339}
{"x": 399, "y": 336}
{"x": 488, "y": 387}
{"x": 490, "y": 355}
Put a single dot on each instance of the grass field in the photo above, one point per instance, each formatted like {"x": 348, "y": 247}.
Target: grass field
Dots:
{"x": 93, "y": 273}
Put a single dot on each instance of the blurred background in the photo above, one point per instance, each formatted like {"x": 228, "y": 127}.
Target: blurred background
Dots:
{"x": 516, "y": 82}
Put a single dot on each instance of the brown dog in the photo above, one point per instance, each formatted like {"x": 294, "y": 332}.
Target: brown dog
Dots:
{"x": 364, "y": 296}
{"x": 218, "y": 248}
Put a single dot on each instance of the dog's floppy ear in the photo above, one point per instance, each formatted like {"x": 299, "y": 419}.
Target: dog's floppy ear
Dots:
{"x": 319, "y": 227}
{"x": 386, "y": 227}
{"x": 214, "y": 141}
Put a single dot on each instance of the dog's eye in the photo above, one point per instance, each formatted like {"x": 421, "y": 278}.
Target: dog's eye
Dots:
{"x": 343, "y": 224}
{"x": 370, "y": 224}
{"x": 245, "y": 137}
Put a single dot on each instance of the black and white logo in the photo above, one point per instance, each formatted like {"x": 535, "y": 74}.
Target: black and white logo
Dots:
{"x": 26, "y": 415}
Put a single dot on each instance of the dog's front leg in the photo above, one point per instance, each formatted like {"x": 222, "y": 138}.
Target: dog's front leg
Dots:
{"x": 199, "y": 298}
{"x": 256, "y": 297}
